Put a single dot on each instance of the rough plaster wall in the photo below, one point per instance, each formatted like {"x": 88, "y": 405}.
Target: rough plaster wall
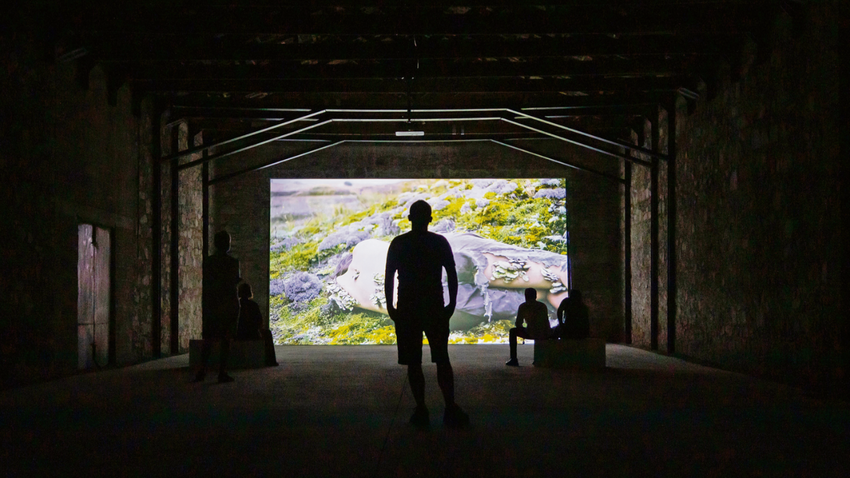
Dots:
{"x": 641, "y": 198}
{"x": 758, "y": 236}
{"x": 640, "y": 248}
{"x": 68, "y": 157}
{"x": 190, "y": 242}
{"x": 242, "y": 205}
{"x": 190, "y": 229}
{"x": 135, "y": 341}
{"x": 168, "y": 138}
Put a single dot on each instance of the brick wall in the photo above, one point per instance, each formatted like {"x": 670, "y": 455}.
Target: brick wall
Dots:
{"x": 67, "y": 157}
{"x": 758, "y": 221}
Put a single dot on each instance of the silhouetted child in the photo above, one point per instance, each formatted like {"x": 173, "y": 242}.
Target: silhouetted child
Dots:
{"x": 251, "y": 323}
{"x": 220, "y": 305}
{"x": 250, "y": 319}
{"x": 536, "y": 315}
{"x": 573, "y": 320}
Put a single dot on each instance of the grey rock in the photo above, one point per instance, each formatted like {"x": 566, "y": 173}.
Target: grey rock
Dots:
{"x": 559, "y": 193}
{"x": 444, "y": 225}
{"x": 347, "y": 237}
{"x": 275, "y": 287}
{"x": 302, "y": 287}
{"x": 502, "y": 186}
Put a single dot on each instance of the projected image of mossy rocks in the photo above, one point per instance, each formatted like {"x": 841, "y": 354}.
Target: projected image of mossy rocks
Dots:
{"x": 329, "y": 241}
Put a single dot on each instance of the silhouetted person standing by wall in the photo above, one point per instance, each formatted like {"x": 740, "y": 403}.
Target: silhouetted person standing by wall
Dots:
{"x": 251, "y": 323}
{"x": 220, "y": 304}
{"x": 536, "y": 315}
{"x": 573, "y": 317}
{"x": 419, "y": 257}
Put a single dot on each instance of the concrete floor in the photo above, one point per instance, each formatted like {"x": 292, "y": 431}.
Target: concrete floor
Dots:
{"x": 343, "y": 411}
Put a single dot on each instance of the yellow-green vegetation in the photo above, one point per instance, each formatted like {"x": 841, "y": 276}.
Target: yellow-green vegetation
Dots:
{"x": 296, "y": 259}
{"x": 383, "y": 206}
{"x": 362, "y": 330}
{"x": 520, "y": 220}
{"x": 486, "y": 333}
{"x": 313, "y": 325}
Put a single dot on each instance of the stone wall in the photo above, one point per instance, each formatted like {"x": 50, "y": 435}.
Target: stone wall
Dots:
{"x": 66, "y": 157}
{"x": 641, "y": 199}
{"x": 241, "y": 205}
{"x": 190, "y": 240}
{"x": 758, "y": 220}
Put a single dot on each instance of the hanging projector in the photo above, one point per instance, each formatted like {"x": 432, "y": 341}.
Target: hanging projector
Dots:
{"x": 410, "y": 133}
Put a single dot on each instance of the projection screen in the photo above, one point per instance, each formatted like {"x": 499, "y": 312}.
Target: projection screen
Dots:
{"x": 329, "y": 241}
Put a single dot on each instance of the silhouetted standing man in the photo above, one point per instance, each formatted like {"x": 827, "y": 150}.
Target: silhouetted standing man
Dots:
{"x": 220, "y": 304}
{"x": 419, "y": 257}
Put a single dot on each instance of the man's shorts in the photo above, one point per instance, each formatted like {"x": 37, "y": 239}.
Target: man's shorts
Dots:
{"x": 409, "y": 329}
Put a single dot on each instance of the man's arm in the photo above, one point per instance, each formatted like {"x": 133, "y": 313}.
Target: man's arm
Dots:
{"x": 451, "y": 277}
{"x": 562, "y": 309}
{"x": 520, "y": 315}
{"x": 389, "y": 279}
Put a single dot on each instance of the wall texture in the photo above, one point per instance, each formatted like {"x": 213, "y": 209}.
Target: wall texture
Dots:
{"x": 67, "y": 157}
{"x": 241, "y": 205}
{"x": 189, "y": 243}
{"x": 758, "y": 220}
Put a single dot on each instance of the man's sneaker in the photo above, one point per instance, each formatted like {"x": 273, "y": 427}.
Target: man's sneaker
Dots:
{"x": 455, "y": 417}
{"x": 420, "y": 418}
{"x": 512, "y": 363}
{"x": 224, "y": 378}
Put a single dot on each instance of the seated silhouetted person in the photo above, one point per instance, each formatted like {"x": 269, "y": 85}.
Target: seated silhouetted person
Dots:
{"x": 220, "y": 304}
{"x": 573, "y": 318}
{"x": 251, "y": 323}
{"x": 250, "y": 319}
{"x": 536, "y": 316}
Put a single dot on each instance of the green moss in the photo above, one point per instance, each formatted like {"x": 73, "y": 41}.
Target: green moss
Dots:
{"x": 298, "y": 258}
{"x": 362, "y": 329}
{"x": 451, "y": 211}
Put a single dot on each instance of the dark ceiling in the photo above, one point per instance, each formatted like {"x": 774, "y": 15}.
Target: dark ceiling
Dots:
{"x": 231, "y": 66}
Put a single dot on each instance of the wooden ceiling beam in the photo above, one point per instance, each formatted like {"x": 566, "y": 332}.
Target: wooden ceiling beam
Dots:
{"x": 417, "y": 86}
{"x": 421, "y": 69}
{"x": 186, "y": 102}
{"x": 153, "y": 49}
{"x": 702, "y": 18}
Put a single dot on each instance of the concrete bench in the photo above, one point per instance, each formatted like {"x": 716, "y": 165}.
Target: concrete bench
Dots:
{"x": 570, "y": 353}
{"x": 243, "y": 354}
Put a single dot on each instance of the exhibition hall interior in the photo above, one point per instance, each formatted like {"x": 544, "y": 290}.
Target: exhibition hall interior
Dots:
{"x": 672, "y": 165}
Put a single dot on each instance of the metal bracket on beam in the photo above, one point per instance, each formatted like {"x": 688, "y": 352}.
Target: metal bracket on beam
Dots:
{"x": 252, "y": 146}
{"x": 199, "y": 149}
{"x": 578, "y": 143}
{"x": 621, "y": 144}
{"x": 270, "y": 164}
{"x": 561, "y": 162}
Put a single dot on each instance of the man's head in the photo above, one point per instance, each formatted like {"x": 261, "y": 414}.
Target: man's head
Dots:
{"x": 420, "y": 214}
{"x": 530, "y": 294}
{"x": 222, "y": 241}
